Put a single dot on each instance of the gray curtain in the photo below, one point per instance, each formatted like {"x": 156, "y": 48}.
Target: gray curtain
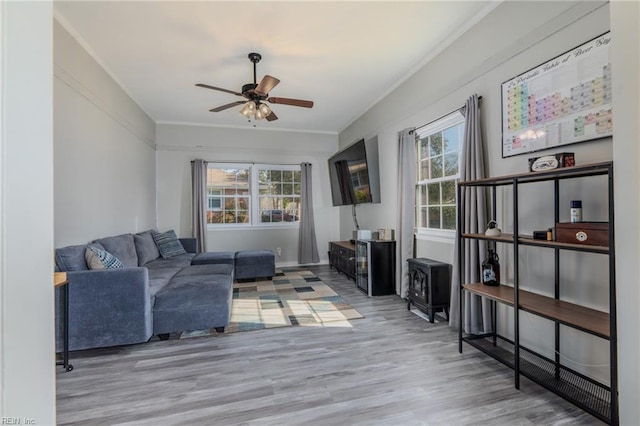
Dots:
{"x": 473, "y": 208}
{"x": 199, "y": 202}
{"x": 307, "y": 245}
{"x": 405, "y": 224}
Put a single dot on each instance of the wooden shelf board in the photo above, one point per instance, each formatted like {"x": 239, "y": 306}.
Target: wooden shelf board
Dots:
{"x": 505, "y": 238}
{"x": 580, "y": 317}
{"x": 526, "y": 240}
{"x": 569, "y": 246}
{"x": 564, "y": 172}
{"x": 345, "y": 244}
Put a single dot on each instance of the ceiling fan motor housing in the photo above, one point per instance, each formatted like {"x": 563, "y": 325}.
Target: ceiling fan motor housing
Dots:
{"x": 248, "y": 87}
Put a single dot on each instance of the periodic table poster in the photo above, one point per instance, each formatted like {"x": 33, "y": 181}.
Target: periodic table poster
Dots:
{"x": 563, "y": 101}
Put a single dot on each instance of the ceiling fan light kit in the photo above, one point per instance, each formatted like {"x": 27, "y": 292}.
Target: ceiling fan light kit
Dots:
{"x": 256, "y": 93}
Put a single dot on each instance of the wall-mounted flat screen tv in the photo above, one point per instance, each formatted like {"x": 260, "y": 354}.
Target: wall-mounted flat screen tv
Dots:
{"x": 354, "y": 174}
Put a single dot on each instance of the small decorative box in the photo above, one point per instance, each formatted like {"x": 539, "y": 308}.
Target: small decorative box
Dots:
{"x": 555, "y": 161}
{"x": 588, "y": 233}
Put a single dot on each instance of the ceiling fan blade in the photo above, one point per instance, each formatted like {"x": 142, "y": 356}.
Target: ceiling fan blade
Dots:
{"x": 227, "y": 106}
{"x": 294, "y": 102}
{"x": 266, "y": 84}
{"x": 206, "y": 86}
{"x": 271, "y": 116}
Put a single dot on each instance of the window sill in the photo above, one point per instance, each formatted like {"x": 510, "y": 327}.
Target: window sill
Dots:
{"x": 437, "y": 235}
{"x": 250, "y": 227}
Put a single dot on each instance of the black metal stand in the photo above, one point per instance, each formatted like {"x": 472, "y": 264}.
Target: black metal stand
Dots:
{"x": 64, "y": 299}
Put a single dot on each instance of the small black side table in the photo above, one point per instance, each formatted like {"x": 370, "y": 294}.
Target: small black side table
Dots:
{"x": 60, "y": 280}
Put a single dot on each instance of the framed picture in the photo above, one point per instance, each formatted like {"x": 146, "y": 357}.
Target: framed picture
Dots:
{"x": 563, "y": 101}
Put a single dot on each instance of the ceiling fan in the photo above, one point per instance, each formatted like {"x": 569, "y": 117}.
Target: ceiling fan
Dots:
{"x": 257, "y": 93}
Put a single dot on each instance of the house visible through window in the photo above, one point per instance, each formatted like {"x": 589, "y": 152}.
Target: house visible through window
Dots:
{"x": 228, "y": 194}
{"x": 253, "y": 194}
{"x": 438, "y": 169}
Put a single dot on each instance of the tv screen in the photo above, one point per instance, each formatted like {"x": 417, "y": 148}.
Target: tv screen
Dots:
{"x": 353, "y": 173}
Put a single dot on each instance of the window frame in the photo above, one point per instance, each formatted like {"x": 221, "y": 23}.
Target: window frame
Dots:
{"x": 437, "y": 234}
{"x": 256, "y": 201}
{"x": 222, "y": 197}
{"x": 253, "y": 195}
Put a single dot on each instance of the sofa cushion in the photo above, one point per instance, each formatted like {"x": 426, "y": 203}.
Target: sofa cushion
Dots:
{"x": 205, "y": 270}
{"x": 179, "y": 261}
{"x": 214, "y": 258}
{"x": 145, "y": 247}
{"x": 101, "y": 259}
{"x": 122, "y": 247}
{"x": 168, "y": 244}
{"x": 71, "y": 258}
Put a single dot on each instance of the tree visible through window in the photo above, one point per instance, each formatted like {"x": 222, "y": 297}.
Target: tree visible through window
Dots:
{"x": 438, "y": 156}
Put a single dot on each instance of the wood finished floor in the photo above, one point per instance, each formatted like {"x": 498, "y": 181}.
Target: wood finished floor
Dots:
{"x": 390, "y": 368}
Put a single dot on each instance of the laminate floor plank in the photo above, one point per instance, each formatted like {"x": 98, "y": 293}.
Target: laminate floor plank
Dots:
{"x": 390, "y": 368}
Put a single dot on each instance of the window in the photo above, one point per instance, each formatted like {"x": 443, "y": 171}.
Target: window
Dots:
{"x": 228, "y": 198}
{"x": 253, "y": 195}
{"x": 279, "y": 194}
{"x": 438, "y": 169}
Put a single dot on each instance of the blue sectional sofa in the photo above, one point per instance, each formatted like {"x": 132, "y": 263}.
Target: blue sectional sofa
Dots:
{"x": 149, "y": 295}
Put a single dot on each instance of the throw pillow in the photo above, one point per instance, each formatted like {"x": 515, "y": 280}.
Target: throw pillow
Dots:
{"x": 168, "y": 244}
{"x": 101, "y": 259}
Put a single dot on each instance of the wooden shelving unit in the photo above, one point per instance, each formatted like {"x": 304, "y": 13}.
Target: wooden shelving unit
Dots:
{"x": 592, "y": 396}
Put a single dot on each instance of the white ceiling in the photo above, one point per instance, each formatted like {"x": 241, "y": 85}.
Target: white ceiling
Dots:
{"x": 345, "y": 56}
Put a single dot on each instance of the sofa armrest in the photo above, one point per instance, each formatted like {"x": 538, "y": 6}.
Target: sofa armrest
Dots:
{"x": 107, "y": 307}
{"x": 190, "y": 244}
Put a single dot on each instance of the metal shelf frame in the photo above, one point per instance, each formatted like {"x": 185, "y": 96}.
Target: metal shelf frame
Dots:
{"x": 594, "y": 397}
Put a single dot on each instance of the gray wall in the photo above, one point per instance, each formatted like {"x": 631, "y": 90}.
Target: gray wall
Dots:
{"x": 27, "y": 376}
{"x": 625, "y": 26}
{"x": 179, "y": 144}
{"x": 104, "y": 151}
{"x": 479, "y": 62}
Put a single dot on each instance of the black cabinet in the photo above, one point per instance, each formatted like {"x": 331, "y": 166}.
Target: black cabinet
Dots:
{"x": 342, "y": 256}
{"x": 429, "y": 286}
{"x": 376, "y": 267}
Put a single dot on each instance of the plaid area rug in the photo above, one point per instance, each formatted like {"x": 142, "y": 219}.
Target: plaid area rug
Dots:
{"x": 295, "y": 297}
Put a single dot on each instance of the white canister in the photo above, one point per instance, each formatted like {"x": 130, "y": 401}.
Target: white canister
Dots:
{"x": 576, "y": 211}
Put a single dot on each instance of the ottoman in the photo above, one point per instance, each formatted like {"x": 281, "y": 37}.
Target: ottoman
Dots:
{"x": 252, "y": 264}
{"x": 195, "y": 298}
{"x": 214, "y": 258}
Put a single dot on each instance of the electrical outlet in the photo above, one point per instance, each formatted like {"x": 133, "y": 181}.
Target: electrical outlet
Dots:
{"x": 279, "y": 251}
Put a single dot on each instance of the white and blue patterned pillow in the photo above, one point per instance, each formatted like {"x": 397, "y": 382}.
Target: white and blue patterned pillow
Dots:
{"x": 168, "y": 244}
{"x": 101, "y": 259}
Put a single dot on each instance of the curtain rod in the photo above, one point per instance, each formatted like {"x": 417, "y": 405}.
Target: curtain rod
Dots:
{"x": 439, "y": 118}
{"x": 253, "y": 163}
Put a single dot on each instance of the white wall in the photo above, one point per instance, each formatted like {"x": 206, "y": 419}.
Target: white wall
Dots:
{"x": 104, "y": 151}
{"x": 479, "y": 62}
{"x": 27, "y": 370}
{"x": 625, "y": 27}
{"x": 177, "y": 145}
